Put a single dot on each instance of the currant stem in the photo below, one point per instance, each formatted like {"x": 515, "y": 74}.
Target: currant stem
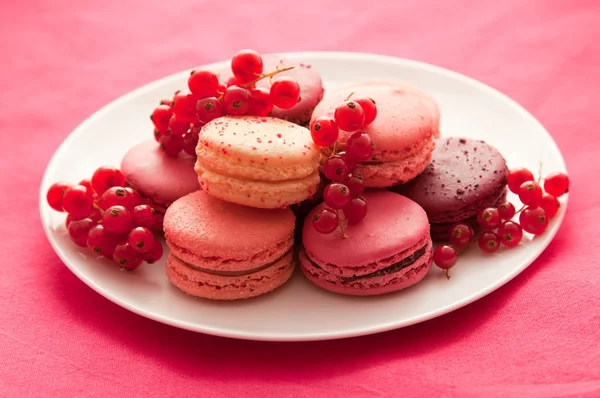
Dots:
{"x": 334, "y": 148}
{"x": 349, "y": 95}
{"x": 265, "y": 75}
{"x": 447, "y": 273}
{"x": 337, "y": 212}
{"x": 540, "y": 173}
{"x": 520, "y": 210}
{"x": 99, "y": 209}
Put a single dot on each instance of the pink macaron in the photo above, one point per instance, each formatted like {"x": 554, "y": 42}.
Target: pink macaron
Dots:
{"x": 160, "y": 179}
{"x": 402, "y": 132}
{"x": 389, "y": 250}
{"x": 224, "y": 251}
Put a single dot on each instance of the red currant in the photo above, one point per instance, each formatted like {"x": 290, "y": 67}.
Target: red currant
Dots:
{"x": 135, "y": 198}
{"x": 177, "y": 126}
{"x": 534, "y": 220}
{"x": 260, "y": 102}
{"x": 117, "y": 196}
{"x": 127, "y": 257}
{"x": 335, "y": 169}
{"x": 56, "y": 194}
{"x": 350, "y": 162}
{"x": 141, "y": 239}
{"x": 489, "y": 218}
{"x": 336, "y": 196}
{"x": 107, "y": 177}
{"x": 154, "y": 254}
{"x": 184, "y": 106}
{"x": 506, "y": 211}
{"x": 325, "y": 221}
{"x": 203, "y": 83}
{"x": 460, "y": 235}
{"x": 79, "y": 229}
{"x": 360, "y": 147}
{"x": 101, "y": 241}
{"x": 143, "y": 216}
{"x": 369, "y": 107}
{"x": 190, "y": 141}
{"x": 208, "y": 109}
{"x": 324, "y": 131}
{"x": 530, "y": 193}
{"x": 510, "y": 233}
{"x": 117, "y": 220}
{"x": 246, "y": 65}
{"x": 285, "y": 92}
{"x": 556, "y": 184}
{"x": 349, "y": 116}
{"x": 355, "y": 210}
{"x": 172, "y": 144}
{"x": 355, "y": 184}
{"x": 236, "y": 100}
{"x": 516, "y": 177}
{"x": 489, "y": 241}
{"x": 550, "y": 205}
{"x": 86, "y": 182}
{"x": 232, "y": 81}
{"x": 445, "y": 256}
{"x": 78, "y": 201}
{"x": 161, "y": 116}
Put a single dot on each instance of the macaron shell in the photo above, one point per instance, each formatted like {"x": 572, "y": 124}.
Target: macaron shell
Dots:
{"x": 217, "y": 287}
{"x": 158, "y": 177}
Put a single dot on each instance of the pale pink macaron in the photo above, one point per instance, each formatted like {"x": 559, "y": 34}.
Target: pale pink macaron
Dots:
{"x": 224, "y": 251}
{"x": 402, "y": 132}
{"x": 389, "y": 250}
{"x": 256, "y": 161}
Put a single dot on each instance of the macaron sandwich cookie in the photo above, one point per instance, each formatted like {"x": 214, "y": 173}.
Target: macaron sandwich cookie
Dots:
{"x": 402, "y": 133}
{"x": 389, "y": 250}
{"x": 464, "y": 177}
{"x": 223, "y": 251}
{"x": 256, "y": 161}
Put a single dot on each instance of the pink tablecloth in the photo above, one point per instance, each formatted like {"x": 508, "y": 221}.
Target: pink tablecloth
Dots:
{"x": 62, "y": 60}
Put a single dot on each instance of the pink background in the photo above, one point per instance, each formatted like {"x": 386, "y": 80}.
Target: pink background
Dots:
{"x": 62, "y": 60}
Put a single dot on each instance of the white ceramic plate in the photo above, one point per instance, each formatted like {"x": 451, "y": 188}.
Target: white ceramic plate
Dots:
{"x": 299, "y": 310}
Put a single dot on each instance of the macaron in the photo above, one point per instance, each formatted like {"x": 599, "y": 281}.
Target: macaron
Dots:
{"x": 388, "y": 250}
{"x": 160, "y": 179}
{"x": 308, "y": 78}
{"x": 261, "y": 162}
{"x": 464, "y": 177}
{"x": 402, "y": 133}
{"x": 224, "y": 251}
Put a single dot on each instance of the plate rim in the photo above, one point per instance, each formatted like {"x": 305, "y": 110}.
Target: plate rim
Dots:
{"x": 353, "y": 332}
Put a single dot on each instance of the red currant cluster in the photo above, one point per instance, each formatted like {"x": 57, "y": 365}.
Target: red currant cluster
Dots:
{"x": 344, "y": 192}
{"x": 177, "y": 122}
{"x": 109, "y": 218}
{"x": 495, "y": 222}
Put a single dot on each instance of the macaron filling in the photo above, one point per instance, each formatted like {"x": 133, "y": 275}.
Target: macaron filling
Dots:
{"x": 237, "y": 273}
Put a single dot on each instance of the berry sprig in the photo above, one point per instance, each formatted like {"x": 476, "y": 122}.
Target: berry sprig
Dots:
{"x": 109, "y": 218}
{"x": 496, "y": 223}
{"x": 343, "y": 195}
{"x": 177, "y": 123}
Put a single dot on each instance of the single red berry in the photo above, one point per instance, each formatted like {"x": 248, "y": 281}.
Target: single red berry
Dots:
{"x": 101, "y": 241}
{"x": 355, "y": 210}
{"x": 154, "y": 254}
{"x": 285, "y": 92}
{"x": 260, "y": 102}
{"x": 550, "y": 205}
{"x": 506, "y": 210}
{"x": 232, "y": 81}
{"x": 143, "y": 216}
{"x": 325, "y": 221}
{"x": 141, "y": 239}
{"x": 184, "y": 106}
{"x": 350, "y": 162}
{"x": 489, "y": 241}
{"x": 557, "y": 184}
{"x": 530, "y": 193}
{"x": 246, "y": 65}
{"x": 335, "y": 169}
{"x": 324, "y": 131}
{"x": 336, "y": 196}
{"x": 135, "y": 198}
{"x": 516, "y": 177}
{"x": 177, "y": 126}
{"x": 236, "y": 100}
{"x": 190, "y": 142}
{"x": 489, "y": 218}
{"x": 161, "y": 116}
{"x": 107, "y": 177}
{"x": 171, "y": 144}
{"x": 221, "y": 89}
{"x": 349, "y": 116}
{"x": 56, "y": 194}
{"x": 127, "y": 257}
{"x": 360, "y": 147}
{"x": 208, "y": 109}
{"x": 460, "y": 234}
{"x": 158, "y": 225}
{"x": 534, "y": 220}
{"x": 78, "y": 201}
{"x": 369, "y": 107}
{"x": 79, "y": 229}
{"x": 510, "y": 233}
{"x": 355, "y": 184}
{"x": 87, "y": 182}
{"x": 117, "y": 220}
{"x": 203, "y": 83}
{"x": 445, "y": 256}
{"x": 117, "y": 196}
